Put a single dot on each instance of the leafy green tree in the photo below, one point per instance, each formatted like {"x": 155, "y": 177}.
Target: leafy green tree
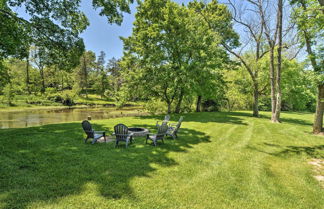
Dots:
{"x": 102, "y": 83}
{"x": 83, "y": 70}
{"x": 115, "y": 78}
{"x": 298, "y": 90}
{"x": 51, "y": 25}
{"x": 40, "y": 59}
{"x": 309, "y": 17}
{"x": 171, "y": 52}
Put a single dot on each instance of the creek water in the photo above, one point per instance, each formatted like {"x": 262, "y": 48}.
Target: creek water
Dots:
{"x": 28, "y": 118}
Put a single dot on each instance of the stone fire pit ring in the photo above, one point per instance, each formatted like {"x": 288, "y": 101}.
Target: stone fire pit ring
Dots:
{"x": 138, "y": 131}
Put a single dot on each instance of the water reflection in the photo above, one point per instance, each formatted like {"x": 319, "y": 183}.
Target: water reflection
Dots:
{"x": 30, "y": 118}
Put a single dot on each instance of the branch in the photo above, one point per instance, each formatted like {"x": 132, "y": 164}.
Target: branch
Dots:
{"x": 249, "y": 27}
{"x": 264, "y": 53}
{"x": 241, "y": 59}
{"x": 263, "y": 89}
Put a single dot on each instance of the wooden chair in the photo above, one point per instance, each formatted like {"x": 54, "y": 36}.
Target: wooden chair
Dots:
{"x": 92, "y": 134}
{"x": 174, "y": 128}
{"x": 166, "y": 119}
{"x": 162, "y": 130}
{"x": 122, "y": 134}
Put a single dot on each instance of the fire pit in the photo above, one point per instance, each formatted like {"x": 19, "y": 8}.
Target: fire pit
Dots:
{"x": 138, "y": 131}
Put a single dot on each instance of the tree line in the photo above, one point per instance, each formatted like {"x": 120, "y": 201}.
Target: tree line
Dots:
{"x": 179, "y": 58}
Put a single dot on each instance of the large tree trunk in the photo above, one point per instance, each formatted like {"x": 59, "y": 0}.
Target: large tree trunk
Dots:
{"x": 169, "y": 107}
{"x": 272, "y": 85}
{"x": 278, "y": 77}
{"x": 178, "y": 107}
{"x": 318, "y": 122}
{"x": 198, "y": 107}
{"x": 256, "y": 100}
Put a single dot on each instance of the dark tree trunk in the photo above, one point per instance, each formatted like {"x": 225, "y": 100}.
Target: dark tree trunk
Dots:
{"x": 318, "y": 122}
{"x": 169, "y": 108}
{"x": 178, "y": 107}
{"x": 256, "y": 100}
{"x": 198, "y": 107}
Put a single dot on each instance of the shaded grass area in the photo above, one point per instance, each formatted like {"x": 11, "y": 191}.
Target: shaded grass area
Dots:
{"x": 221, "y": 160}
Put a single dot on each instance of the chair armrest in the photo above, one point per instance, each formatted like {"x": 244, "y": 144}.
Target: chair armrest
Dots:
{"x": 130, "y": 134}
{"x": 162, "y": 121}
{"x": 99, "y": 131}
{"x": 151, "y": 134}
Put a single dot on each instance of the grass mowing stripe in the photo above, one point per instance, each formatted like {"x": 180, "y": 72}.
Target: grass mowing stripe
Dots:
{"x": 223, "y": 160}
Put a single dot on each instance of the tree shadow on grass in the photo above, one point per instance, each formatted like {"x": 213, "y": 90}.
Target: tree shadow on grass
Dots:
{"x": 284, "y": 119}
{"x": 205, "y": 117}
{"x": 316, "y": 151}
{"x": 296, "y": 121}
{"x": 51, "y": 162}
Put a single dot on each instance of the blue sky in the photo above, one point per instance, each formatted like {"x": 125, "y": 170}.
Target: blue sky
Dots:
{"x": 102, "y": 36}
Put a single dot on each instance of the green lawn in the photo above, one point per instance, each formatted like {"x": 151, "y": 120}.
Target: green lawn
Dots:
{"x": 221, "y": 160}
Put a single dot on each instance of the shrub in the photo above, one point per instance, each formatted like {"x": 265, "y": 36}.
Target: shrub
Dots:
{"x": 69, "y": 97}
{"x": 38, "y": 100}
{"x": 155, "y": 106}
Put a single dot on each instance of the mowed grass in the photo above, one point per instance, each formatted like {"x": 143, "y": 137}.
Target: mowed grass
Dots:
{"x": 220, "y": 160}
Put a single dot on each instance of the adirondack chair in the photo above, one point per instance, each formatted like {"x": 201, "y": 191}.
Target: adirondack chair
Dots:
{"x": 92, "y": 134}
{"x": 174, "y": 128}
{"x": 161, "y": 132}
{"x": 122, "y": 134}
{"x": 166, "y": 119}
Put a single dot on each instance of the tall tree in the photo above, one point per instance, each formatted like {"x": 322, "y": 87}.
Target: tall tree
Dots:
{"x": 115, "y": 78}
{"x": 252, "y": 33}
{"x": 82, "y": 71}
{"x": 270, "y": 14}
{"x": 170, "y": 49}
{"x": 279, "y": 27}
{"x": 40, "y": 59}
{"x": 52, "y": 24}
{"x": 309, "y": 16}
{"x": 102, "y": 73}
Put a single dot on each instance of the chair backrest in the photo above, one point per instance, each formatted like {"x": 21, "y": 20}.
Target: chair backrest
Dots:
{"x": 167, "y": 118}
{"x": 121, "y": 131}
{"x": 162, "y": 130}
{"x": 180, "y": 119}
{"x": 178, "y": 124}
{"x": 86, "y": 125}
